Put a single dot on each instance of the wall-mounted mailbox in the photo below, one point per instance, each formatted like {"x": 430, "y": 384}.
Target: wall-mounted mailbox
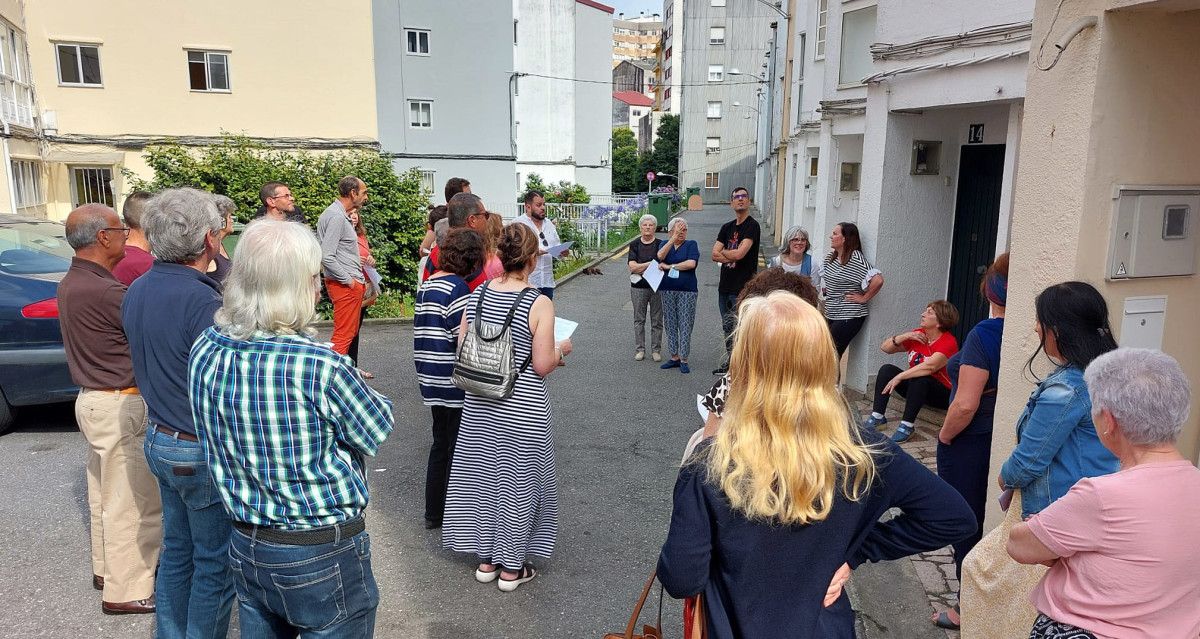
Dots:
{"x": 1142, "y": 322}
{"x": 1155, "y": 232}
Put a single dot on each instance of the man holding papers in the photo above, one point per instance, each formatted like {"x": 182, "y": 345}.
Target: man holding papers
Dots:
{"x": 542, "y": 276}
{"x": 644, "y": 277}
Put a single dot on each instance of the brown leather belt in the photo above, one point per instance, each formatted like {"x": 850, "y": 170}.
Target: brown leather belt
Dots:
{"x": 177, "y": 434}
{"x": 306, "y": 536}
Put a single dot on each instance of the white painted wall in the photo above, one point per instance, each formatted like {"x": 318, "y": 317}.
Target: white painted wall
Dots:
{"x": 593, "y": 134}
{"x": 915, "y": 19}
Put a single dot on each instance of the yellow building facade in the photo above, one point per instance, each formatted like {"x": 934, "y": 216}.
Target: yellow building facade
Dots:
{"x": 110, "y": 78}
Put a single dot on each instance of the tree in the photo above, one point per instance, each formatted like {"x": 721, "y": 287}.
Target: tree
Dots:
{"x": 565, "y": 192}
{"x": 665, "y": 156}
{"x": 395, "y": 215}
{"x": 626, "y": 165}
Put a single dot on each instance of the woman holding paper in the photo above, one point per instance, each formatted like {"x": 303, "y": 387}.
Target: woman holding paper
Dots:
{"x": 642, "y": 253}
{"x": 678, "y": 258}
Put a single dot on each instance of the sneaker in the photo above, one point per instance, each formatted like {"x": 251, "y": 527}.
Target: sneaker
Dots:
{"x": 902, "y": 434}
{"x": 655, "y": 356}
{"x": 872, "y": 422}
{"x": 671, "y": 363}
{"x": 639, "y": 356}
{"x": 683, "y": 368}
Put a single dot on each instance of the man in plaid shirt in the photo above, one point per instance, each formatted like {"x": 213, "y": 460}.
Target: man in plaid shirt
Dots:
{"x": 286, "y": 424}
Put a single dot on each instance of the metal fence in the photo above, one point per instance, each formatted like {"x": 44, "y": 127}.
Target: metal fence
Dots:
{"x": 594, "y": 220}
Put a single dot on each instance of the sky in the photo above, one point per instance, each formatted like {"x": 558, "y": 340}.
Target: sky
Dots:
{"x": 632, "y": 7}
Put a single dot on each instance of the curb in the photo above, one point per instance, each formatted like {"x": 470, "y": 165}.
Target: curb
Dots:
{"x": 579, "y": 271}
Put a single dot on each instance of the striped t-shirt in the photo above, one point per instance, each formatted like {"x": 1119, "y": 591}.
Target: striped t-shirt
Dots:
{"x": 842, "y": 279}
{"x": 436, "y": 318}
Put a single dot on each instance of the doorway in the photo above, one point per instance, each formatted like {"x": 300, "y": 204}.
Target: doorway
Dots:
{"x": 976, "y": 218}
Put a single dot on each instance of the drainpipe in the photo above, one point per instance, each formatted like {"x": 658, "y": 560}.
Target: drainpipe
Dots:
{"x": 8, "y": 172}
{"x": 785, "y": 121}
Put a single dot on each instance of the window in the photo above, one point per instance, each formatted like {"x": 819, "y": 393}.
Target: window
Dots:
{"x": 427, "y": 182}
{"x": 91, "y": 184}
{"x": 849, "y": 181}
{"x": 712, "y": 180}
{"x": 27, "y": 183}
{"x": 16, "y": 93}
{"x": 716, "y": 35}
{"x": 667, "y": 55}
{"x": 208, "y": 71}
{"x": 799, "y": 82}
{"x": 420, "y": 114}
{"x": 418, "y": 41}
{"x": 712, "y": 145}
{"x": 858, "y": 31}
{"x": 718, "y": 3}
{"x": 515, "y": 32}
{"x": 714, "y": 110}
{"x": 79, "y": 65}
{"x": 716, "y": 72}
{"x": 667, "y": 94}
{"x": 822, "y": 28}
{"x": 814, "y": 163}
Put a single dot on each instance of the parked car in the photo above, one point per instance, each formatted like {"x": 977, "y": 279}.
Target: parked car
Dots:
{"x": 34, "y": 256}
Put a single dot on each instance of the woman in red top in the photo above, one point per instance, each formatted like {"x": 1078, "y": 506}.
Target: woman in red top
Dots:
{"x": 925, "y": 383}
{"x": 371, "y": 292}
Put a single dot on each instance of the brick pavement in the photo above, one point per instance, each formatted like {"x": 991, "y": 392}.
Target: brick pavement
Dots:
{"x": 936, "y": 568}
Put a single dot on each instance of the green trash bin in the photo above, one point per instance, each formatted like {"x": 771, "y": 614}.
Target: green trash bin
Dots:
{"x": 660, "y": 208}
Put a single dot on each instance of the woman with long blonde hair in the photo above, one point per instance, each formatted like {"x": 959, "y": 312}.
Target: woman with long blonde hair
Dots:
{"x": 771, "y": 514}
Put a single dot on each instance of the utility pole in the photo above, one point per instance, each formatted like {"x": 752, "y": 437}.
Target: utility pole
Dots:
{"x": 785, "y": 120}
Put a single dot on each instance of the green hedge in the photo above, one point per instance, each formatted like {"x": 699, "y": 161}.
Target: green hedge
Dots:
{"x": 395, "y": 215}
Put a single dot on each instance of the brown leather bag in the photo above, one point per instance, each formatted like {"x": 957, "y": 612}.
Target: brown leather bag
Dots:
{"x": 648, "y": 632}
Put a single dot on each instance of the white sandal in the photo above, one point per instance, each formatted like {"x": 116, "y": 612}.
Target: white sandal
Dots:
{"x": 485, "y": 576}
{"x": 527, "y": 574}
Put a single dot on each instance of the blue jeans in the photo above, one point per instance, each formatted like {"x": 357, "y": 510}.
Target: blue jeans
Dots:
{"x": 194, "y": 588}
{"x": 548, "y": 291}
{"x": 324, "y": 591}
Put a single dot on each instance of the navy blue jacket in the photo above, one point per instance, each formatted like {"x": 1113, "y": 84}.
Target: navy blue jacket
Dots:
{"x": 164, "y": 312}
{"x": 762, "y": 579}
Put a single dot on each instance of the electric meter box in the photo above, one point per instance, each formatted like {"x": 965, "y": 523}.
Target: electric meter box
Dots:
{"x": 1154, "y": 232}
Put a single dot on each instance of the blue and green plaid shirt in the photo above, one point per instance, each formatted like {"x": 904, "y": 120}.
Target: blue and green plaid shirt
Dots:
{"x": 285, "y": 423}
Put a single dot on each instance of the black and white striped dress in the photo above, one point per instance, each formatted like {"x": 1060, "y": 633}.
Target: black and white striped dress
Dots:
{"x": 502, "y": 502}
{"x": 841, "y": 279}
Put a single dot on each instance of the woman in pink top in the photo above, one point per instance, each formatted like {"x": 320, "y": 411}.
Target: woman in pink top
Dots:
{"x": 1122, "y": 549}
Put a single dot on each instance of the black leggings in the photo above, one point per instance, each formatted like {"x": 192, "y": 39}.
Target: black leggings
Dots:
{"x": 844, "y": 332}
{"x": 917, "y": 392}
{"x": 353, "y": 350}
{"x": 964, "y": 465}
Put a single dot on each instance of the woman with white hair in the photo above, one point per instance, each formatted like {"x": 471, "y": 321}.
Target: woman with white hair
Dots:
{"x": 286, "y": 424}
{"x": 794, "y": 255}
{"x": 1121, "y": 547}
{"x": 643, "y": 250}
{"x": 678, "y": 257}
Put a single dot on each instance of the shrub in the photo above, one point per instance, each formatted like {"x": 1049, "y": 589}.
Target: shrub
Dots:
{"x": 237, "y": 167}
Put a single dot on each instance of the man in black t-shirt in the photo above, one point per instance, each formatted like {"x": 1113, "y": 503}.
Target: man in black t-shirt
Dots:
{"x": 736, "y": 250}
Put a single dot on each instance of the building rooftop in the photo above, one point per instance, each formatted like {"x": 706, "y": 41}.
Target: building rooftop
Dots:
{"x": 633, "y": 98}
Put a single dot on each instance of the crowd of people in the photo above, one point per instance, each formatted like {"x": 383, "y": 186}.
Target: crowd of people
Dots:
{"x": 228, "y": 445}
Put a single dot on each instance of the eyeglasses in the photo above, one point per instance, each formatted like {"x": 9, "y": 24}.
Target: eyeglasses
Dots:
{"x": 117, "y": 228}
{"x": 285, "y": 195}
{"x": 741, "y": 196}
{"x": 542, "y": 235}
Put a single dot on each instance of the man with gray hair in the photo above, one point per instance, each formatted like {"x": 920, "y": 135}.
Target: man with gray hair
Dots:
{"x": 137, "y": 258}
{"x": 340, "y": 261}
{"x": 164, "y": 312}
{"x": 294, "y": 476}
{"x": 123, "y": 498}
{"x": 465, "y": 210}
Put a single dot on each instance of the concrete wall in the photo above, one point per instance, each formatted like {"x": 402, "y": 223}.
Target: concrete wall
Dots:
{"x": 1115, "y": 110}
{"x": 275, "y": 66}
{"x": 469, "y": 85}
{"x": 747, "y": 38}
{"x": 915, "y": 19}
{"x": 593, "y": 135}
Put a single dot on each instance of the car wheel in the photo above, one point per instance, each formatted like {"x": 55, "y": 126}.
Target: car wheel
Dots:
{"x": 6, "y": 414}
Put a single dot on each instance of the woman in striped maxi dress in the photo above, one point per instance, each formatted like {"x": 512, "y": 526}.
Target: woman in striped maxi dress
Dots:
{"x": 502, "y": 502}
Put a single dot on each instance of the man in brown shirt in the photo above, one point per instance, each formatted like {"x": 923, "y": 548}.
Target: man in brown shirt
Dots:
{"x": 122, "y": 493}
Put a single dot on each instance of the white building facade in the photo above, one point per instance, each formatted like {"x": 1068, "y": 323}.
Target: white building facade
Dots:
{"x": 563, "y": 98}
{"x": 914, "y": 141}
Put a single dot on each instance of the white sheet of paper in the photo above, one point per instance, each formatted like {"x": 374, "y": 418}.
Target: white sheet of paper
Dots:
{"x": 373, "y": 274}
{"x": 653, "y": 275}
{"x": 558, "y": 249}
{"x": 564, "y": 328}
{"x": 701, "y": 409}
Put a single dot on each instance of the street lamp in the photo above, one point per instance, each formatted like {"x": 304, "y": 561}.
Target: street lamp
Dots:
{"x": 760, "y": 78}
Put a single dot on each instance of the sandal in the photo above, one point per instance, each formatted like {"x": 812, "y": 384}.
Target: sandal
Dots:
{"x": 942, "y": 620}
{"x": 487, "y": 576}
{"x": 527, "y": 574}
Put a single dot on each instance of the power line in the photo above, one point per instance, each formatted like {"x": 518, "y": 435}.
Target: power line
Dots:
{"x": 665, "y": 84}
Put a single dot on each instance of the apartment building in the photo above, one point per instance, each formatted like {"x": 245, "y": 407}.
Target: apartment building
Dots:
{"x": 669, "y": 58}
{"x": 106, "y": 88}
{"x": 725, "y": 45}
{"x": 634, "y": 38}
{"x": 22, "y": 184}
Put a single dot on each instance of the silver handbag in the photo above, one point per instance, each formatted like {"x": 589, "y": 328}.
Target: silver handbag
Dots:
{"x": 485, "y": 364}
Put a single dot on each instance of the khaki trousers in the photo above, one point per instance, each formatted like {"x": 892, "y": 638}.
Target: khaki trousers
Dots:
{"x": 122, "y": 494}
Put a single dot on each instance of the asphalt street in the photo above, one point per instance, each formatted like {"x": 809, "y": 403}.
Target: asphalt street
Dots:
{"x": 619, "y": 427}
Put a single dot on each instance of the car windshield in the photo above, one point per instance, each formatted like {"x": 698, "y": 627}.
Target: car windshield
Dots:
{"x": 34, "y": 248}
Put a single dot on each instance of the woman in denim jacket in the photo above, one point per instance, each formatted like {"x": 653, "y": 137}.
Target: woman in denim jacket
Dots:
{"x": 1057, "y": 443}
